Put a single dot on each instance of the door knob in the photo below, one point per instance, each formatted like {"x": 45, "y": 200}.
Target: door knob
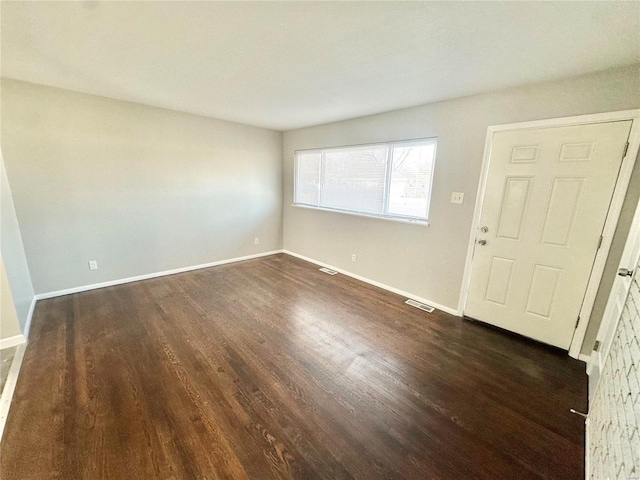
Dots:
{"x": 484, "y": 229}
{"x": 623, "y": 272}
{"x": 482, "y": 241}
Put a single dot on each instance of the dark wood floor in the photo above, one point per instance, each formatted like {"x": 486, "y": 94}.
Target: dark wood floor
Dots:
{"x": 270, "y": 369}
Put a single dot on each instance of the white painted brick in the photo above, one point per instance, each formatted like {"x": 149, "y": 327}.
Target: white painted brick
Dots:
{"x": 634, "y": 348}
{"x": 614, "y": 433}
{"x": 627, "y": 458}
{"x": 635, "y": 295}
{"x": 634, "y": 387}
{"x": 635, "y": 326}
{"x": 625, "y": 388}
{"x": 628, "y": 360}
{"x": 625, "y": 324}
{"x": 617, "y": 355}
{"x": 634, "y": 442}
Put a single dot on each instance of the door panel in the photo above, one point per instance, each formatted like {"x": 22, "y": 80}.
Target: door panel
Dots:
{"x": 561, "y": 211}
{"x": 542, "y": 293}
{"x": 499, "y": 280}
{"x": 514, "y": 203}
{"x": 576, "y": 152}
{"x": 548, "y": 192}
{"x": 525, "y": 154}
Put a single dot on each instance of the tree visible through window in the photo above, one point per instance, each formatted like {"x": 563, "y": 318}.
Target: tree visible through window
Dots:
{"x": 386, "y": 180}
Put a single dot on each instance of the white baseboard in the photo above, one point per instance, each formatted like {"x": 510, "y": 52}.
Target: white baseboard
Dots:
{"x": 587, "y": 362}
{"x": 450, "y": 310}
{"x": 12, "y": 341}
{"x": 94, "y": 286}
{"x": 584, "y": 357}
{"x": 10, "y": 386}
{"x": 27, "y": 325}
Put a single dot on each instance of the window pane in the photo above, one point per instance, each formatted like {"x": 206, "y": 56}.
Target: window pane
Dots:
{"x": 354, "y": 179}
{"x": 411, "y": 180}
{"x": 308, "y": 181}
{"x": 388, "y": 180}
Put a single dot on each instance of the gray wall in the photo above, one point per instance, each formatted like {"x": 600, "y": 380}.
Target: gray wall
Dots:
{"x": 137, "y": 188}
{"x": 142, "y": 189}
{"x": 15, "y": 261}
{"x": 429, "y": 261}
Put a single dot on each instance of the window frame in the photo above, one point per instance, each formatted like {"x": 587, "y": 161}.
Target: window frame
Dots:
{"x": 391, "y": 145}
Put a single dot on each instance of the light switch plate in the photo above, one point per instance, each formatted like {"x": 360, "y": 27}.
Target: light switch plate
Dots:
{"x": 93, "y": 265}
{"x": 457, "y": 197}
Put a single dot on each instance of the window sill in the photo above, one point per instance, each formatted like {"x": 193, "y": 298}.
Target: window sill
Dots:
{"x": 423, "y": 223}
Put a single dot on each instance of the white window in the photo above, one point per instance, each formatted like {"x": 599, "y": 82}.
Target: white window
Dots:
{"x": 384, "y": 180}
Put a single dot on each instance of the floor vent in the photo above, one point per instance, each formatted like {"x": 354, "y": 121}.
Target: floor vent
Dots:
{"x": 328, "y": 270}
{"x": 421, "y": 306}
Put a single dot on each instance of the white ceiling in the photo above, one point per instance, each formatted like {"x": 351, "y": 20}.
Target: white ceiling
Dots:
{"x": 285, "y": 65}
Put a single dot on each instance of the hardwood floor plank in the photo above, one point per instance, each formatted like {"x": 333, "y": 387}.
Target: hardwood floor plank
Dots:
{"x": 270, "y": 369}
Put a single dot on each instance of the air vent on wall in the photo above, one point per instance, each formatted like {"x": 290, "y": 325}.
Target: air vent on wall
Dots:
{"x": 328, "y": 270}
{"x": 421, "y": 306}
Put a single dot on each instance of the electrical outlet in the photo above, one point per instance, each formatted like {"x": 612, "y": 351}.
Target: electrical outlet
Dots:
{"x": 256, "y": 241}
{"x": 93, "y": 265}
{"x": 457, "y": 197}
{"x": 353, "y": 257}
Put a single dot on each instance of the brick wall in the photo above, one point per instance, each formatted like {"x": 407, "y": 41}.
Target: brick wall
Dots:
{"x": 614, "y": 415}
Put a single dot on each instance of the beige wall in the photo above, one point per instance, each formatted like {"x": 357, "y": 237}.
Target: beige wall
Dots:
{"x": 137, "y": 188}
{"x": 11, "y": 246}
{"x": 429, "y": 261}
{"x": 9, "y": 326}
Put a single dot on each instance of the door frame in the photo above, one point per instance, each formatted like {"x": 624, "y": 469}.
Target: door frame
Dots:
{"x": 609, "y": 323}
{"x": 611, "y": 221}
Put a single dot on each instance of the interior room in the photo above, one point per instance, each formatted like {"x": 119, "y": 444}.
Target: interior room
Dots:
{"x": 332, "y": 240}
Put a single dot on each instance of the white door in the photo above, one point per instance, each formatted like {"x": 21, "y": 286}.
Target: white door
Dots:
{"x": 546, "y": 199}
{"x": 627, "y": 272}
